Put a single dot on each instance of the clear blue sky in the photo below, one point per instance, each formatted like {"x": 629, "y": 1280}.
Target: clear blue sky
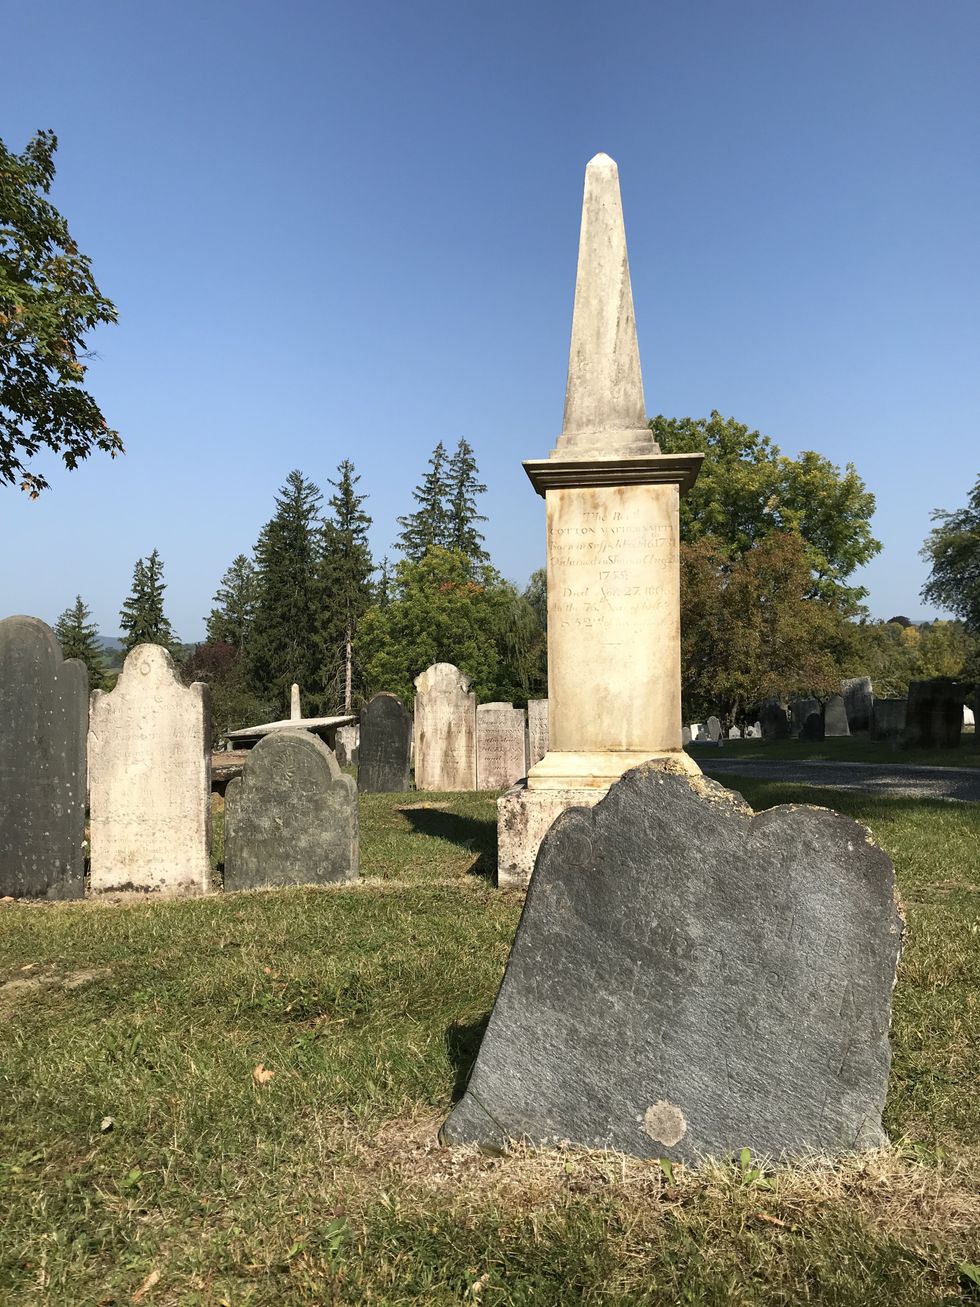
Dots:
{"x": 349, "y": 230}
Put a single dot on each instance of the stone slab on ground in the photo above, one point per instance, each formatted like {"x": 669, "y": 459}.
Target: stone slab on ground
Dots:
{"x": 43, "y": 718}
{"x": 689, "y": 979}
{"x": 386, "y": 742}
{"x": 292, "y": 816}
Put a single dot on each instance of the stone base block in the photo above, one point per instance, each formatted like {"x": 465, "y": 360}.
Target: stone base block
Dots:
{"x": 524, "y": 818}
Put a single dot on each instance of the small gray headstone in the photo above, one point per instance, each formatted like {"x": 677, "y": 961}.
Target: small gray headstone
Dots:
{"x": 631, "y": 1015}
{"x": 734, "y": 733}
{"x": 835, "y": 717}
{"x": 858, "y": 700}
{"x": 386, "y": 742}
{"x": 345, "y": 745}
{"x": 291, "y": 817}
{"x": 714, "y": 729}
{"x": 43, "y": 723}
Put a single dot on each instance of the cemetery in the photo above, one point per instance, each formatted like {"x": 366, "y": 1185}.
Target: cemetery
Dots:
{"x": 417, "y": 938}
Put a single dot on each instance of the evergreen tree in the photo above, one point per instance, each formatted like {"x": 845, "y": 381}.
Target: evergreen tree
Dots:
{"x": 429, "y": 524}
{"x": 142, "y": 618}
{"x": 285, "y": 643}
{"x": 382, "y": 589}
{"x": 79, "y": 638}
{"x": 346, "y": 570}
{"x": 462, "y": 537}
{"x": 231, "y": 622}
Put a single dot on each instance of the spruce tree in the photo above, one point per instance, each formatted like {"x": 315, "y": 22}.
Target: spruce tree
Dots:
{"x": 429, "y": 524}
{"x": 142, "y": 619}
{"x": 382, "y": 587}
{"x": 231, "y": 621}
{"x": 285, "y": 643}
{"x": 463, "y": 486}
{"x": 346, "y": 570}
{"x": 79, "y": 638}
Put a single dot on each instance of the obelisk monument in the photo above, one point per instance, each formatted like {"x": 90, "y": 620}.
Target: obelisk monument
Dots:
{"x": 613, "y": 538}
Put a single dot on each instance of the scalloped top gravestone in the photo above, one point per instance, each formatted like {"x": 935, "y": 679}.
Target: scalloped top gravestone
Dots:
{"x": 43, "y": 715}
{"x": 689, "y": 978}
{"x": 291, "y": 817}
{"x": 445, "y": 730}
{"x": 386, "y": 742}
{"x": 149, "y": 761}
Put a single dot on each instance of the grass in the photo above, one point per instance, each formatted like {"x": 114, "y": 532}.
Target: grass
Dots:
{"x": 147, "y": 1155}
{"x": 855, "y": 748}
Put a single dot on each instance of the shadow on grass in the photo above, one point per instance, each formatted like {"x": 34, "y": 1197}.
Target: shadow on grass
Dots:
{"x": 471, "y": 833}
{"x": 463, "y": 1040}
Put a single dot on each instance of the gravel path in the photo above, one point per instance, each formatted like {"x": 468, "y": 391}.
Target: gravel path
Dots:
{"x": 960, "y": 783}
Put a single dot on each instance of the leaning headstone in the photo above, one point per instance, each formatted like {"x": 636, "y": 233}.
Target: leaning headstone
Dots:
{"x": 800, "y": 710}
{"x": 537, "y": 730}
{"x": 445, "y": 730}
{"x": 714, "y": 729}
{"x": 858, "y": 700}
{"x": 813, "y": 728}
{"x": 934, "y": 714}
{"x": 346, "y": 745}
{"x": 500, "y": 757}
{"x": 291, "y": 818}
{"x": 835, "y": 717}
{"x": 888, "y": 720}
{"x": 773, "y": 721}
{"x": 149, "y": 759}
{"x": 631, "y": 1018}
{"x": 386, "y": 739}
{"x": 43, "y": 715}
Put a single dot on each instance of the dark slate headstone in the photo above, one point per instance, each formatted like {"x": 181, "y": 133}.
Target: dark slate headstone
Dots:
{"x": 934, "y": 714}
{"x": 773, "y": 721}
{"x": 43, "y": 725}
{"x": 813, "y": 726}
{"x": 689, "y": 979}
{"x": 858, "y": 700}
{"x": 385, "y": 748}
{"x": 714, "y": 729}
{"x": 800, "y": 711}
{"x": 291, "y": 817}
{"x": 835, "y": 717}
{"x": 888, "y": 720}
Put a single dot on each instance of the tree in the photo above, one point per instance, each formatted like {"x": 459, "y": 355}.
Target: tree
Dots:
{"x": 48, "y": 301}
{"x": 142, "y": 618}
{"x": 750, "y": 627}
{"x": 382, "y": 588}
{"x": 285, "y": 643}
{"x": 428, "y": 526}
{"x": 953, "y": 551}
{"x": 79, "y": 638}
{"x": 233, "y": 704}
{"x": 347, "y": 569}
{"x": 231, "y": 621}
{"x": 748, "y": 490}
{"x": 462, "y": 489}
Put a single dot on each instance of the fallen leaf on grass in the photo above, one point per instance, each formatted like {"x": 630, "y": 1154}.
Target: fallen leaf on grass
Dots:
{"x": 770, "y": 1220}
{"x": 146, "y": 1286}
{"x": 261, "y": 1076}
{"x": 106, "y": 1124}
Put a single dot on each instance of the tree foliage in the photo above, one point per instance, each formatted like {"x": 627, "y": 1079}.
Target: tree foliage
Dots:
{"x": 447, "y": 515}
{"x": 464, "y": 485}
{"x": 894, "y": 653}
{"x": 346, "y": 578}
{"x": 747, "y": 490}
{"x": 426, "y": 528}
{"x": 48, "y": 302}
{"x": 79, "y": 638}
{"x": 953, "y": 552}
{"x": 234, "y": 704}
{"x": 231, "y": 619}
{"x": 142, "y": 619}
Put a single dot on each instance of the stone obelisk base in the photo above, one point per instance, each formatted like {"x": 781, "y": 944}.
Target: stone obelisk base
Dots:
{"x": 524, "y": 816}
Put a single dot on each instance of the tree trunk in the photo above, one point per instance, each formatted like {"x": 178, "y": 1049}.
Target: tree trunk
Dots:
{"x": 348, "y": 671}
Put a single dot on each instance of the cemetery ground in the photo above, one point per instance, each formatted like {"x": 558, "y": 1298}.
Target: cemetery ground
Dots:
{"x": 234, "y": 1100}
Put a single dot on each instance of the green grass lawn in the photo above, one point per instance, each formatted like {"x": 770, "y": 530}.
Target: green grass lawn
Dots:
{"x": 855, "y": 748}
{"x": 234, "y": 1101}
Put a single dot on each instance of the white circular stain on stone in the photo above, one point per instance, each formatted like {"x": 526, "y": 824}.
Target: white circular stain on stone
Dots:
{"x": 664, "y": 1123}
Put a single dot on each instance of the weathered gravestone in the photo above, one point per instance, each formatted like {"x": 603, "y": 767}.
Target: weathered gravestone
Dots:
{"x": 714, "y": 729}
{"x": 149, "y": 759}
{"x": 800, "y": 711}
{"x": 888, "y": 720}
{"x": 291, "y": 818}
{"x": 835, "y": 717}
{"x": 445, "y": 730}
{"x": 386, "y": 741}
{"x": 773, "y": 721}
{"x": 537, "y": 730}
{"x": 934, "y": 714}
{"x": 734, "y": 733}
{"x": 812, "y": 728}
{"x": 500, "y": 756}
{"x": 858, "y": 700}
{"x": 685, "y": 735}
{"x": 43, "y": 714}
{"x": 346, "y": 743}
{"x": 632, "y": 1016}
